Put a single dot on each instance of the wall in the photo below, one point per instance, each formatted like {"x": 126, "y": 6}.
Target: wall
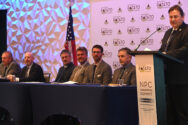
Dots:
{"x": 40, "y": 26}
{"x": 120, "y": 23}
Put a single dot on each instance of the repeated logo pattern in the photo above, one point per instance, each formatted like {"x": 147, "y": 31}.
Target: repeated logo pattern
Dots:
{"x": 124, "y": 23}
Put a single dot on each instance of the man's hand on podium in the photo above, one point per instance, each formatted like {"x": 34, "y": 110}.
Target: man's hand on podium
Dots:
{"x": 164, "y": 52}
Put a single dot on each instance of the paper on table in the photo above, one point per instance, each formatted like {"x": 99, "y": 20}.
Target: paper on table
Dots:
{"x": 147, "y": 49}
{"x": 68, "y": 82}
{"x": 31, "y": 82}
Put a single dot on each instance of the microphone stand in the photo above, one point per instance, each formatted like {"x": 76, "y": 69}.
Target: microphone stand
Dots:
{"x": 146, "y": 39}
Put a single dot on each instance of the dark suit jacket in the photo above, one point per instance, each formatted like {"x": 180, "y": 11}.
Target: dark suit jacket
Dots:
{"x": 178, "y": 48}
{"x": 13, "y": 69}
{"x": 65, "y": 73}
{"x": 103, "y": 74}
{"x": 129, "y": 75}
{"x": 35, "y": 74}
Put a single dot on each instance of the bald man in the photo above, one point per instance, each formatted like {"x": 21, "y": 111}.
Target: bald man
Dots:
{"x": 8, "y": 65}
{"x": 32, "y": 71}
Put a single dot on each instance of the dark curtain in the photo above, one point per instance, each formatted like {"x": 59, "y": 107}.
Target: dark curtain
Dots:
{"x": 3, "y": 31}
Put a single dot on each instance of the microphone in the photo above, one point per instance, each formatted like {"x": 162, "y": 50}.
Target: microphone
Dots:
{"x": 146, "y": 38}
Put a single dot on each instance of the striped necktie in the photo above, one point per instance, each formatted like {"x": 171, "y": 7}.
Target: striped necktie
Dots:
{"x": 169, "y": 40}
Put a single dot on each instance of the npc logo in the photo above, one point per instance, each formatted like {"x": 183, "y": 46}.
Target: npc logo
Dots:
{"x": 145, "y": 84}
{"x": 118, "y": 42}
{"x": 133, "y": 7}
{"x": 106, "y": 43}
{"x": 119, "y": 10}
{"x": 119, "y": 32}
{"x": 148, "y": 30}
{"x": 132, "y": 19}
{"x": 163, "y": 4}
{"x": 132, "y": 43}
{"x": 145, "y": 68}
{"x": 106, "y": 22}
{"x": 162, "y": 17}
{"x": 116, "y": 65}
{"x": 106, "y": 10}
{"x": 163, "y": 27}
{"x": 118, "y": 19}
{"x": 107, "y": 54}
{"x": 147, "y": 17}
{"x": 146, "y": 42}
{"x": 106, "y": 31}
{"x": 148, "y": 7}
{"x": 133, "y": 30}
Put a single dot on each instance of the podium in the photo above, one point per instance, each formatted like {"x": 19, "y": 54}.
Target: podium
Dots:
{"x": 151, "y": 86}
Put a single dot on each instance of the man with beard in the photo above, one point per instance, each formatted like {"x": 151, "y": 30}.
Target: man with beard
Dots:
{"x": 99, "y": 72}
{"x": 66, "y": 70}
{"x": 127, "y": 72}
{"x": 175, "y": 43}
{"x": 78, "y": 74}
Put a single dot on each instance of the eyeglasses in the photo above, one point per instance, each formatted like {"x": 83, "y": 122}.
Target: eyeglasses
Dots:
{"x": 96, "y": 52}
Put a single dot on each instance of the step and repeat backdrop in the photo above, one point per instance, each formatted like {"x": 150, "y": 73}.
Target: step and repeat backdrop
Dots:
{"x": 126, "y": 23}
{"x": 40, "y": 26}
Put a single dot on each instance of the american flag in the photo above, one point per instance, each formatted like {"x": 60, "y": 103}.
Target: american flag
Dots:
{"x": 70, "y": 39}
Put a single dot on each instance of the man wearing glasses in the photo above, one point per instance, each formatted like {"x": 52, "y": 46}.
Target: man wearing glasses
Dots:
{"x": 99, "y": 72}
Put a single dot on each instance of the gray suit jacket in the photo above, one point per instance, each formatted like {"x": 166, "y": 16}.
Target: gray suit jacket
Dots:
{"x": 13, "y": 69}
{"x": 79, "y": 73}
{"x": 103, "y": 74}
{"x": 129, "y": 75}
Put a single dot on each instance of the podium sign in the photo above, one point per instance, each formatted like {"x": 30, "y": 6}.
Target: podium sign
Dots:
{"x": 151, "y": 86}
{"x": 146, "y": 90}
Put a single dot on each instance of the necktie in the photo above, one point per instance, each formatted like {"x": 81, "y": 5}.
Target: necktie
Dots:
{"x": 27, "y": 72}
{"x": 122, "y": 72}
{"x": 169, "y": 39}
{"x": 94, "y": 68}
{"x": 4, "y": 74}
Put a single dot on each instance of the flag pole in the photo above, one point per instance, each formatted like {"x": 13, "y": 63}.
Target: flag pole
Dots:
{"x": 70, "y": 38}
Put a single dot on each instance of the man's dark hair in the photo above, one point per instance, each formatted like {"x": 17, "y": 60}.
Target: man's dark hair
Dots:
{"x": 82, "y": 49}
{"x": 99, "y": 47}
{"x": 178, "y": 8}
{"x": 125, "y": 49}
{"x": 65, "y": 51}
{"x": 9, "y": 54}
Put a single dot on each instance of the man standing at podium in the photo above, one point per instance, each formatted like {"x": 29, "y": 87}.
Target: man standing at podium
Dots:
{"x": 175, "y": 44}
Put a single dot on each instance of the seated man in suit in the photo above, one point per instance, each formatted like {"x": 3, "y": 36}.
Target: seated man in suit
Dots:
{"x": 8, "y": 65}
{"x": 127, "y": 72}
{"x": 78, "y": 74}
{"x": 66, "y": 70}
{"x": 99, "y": 72}
{"x": 32, "y": 71}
